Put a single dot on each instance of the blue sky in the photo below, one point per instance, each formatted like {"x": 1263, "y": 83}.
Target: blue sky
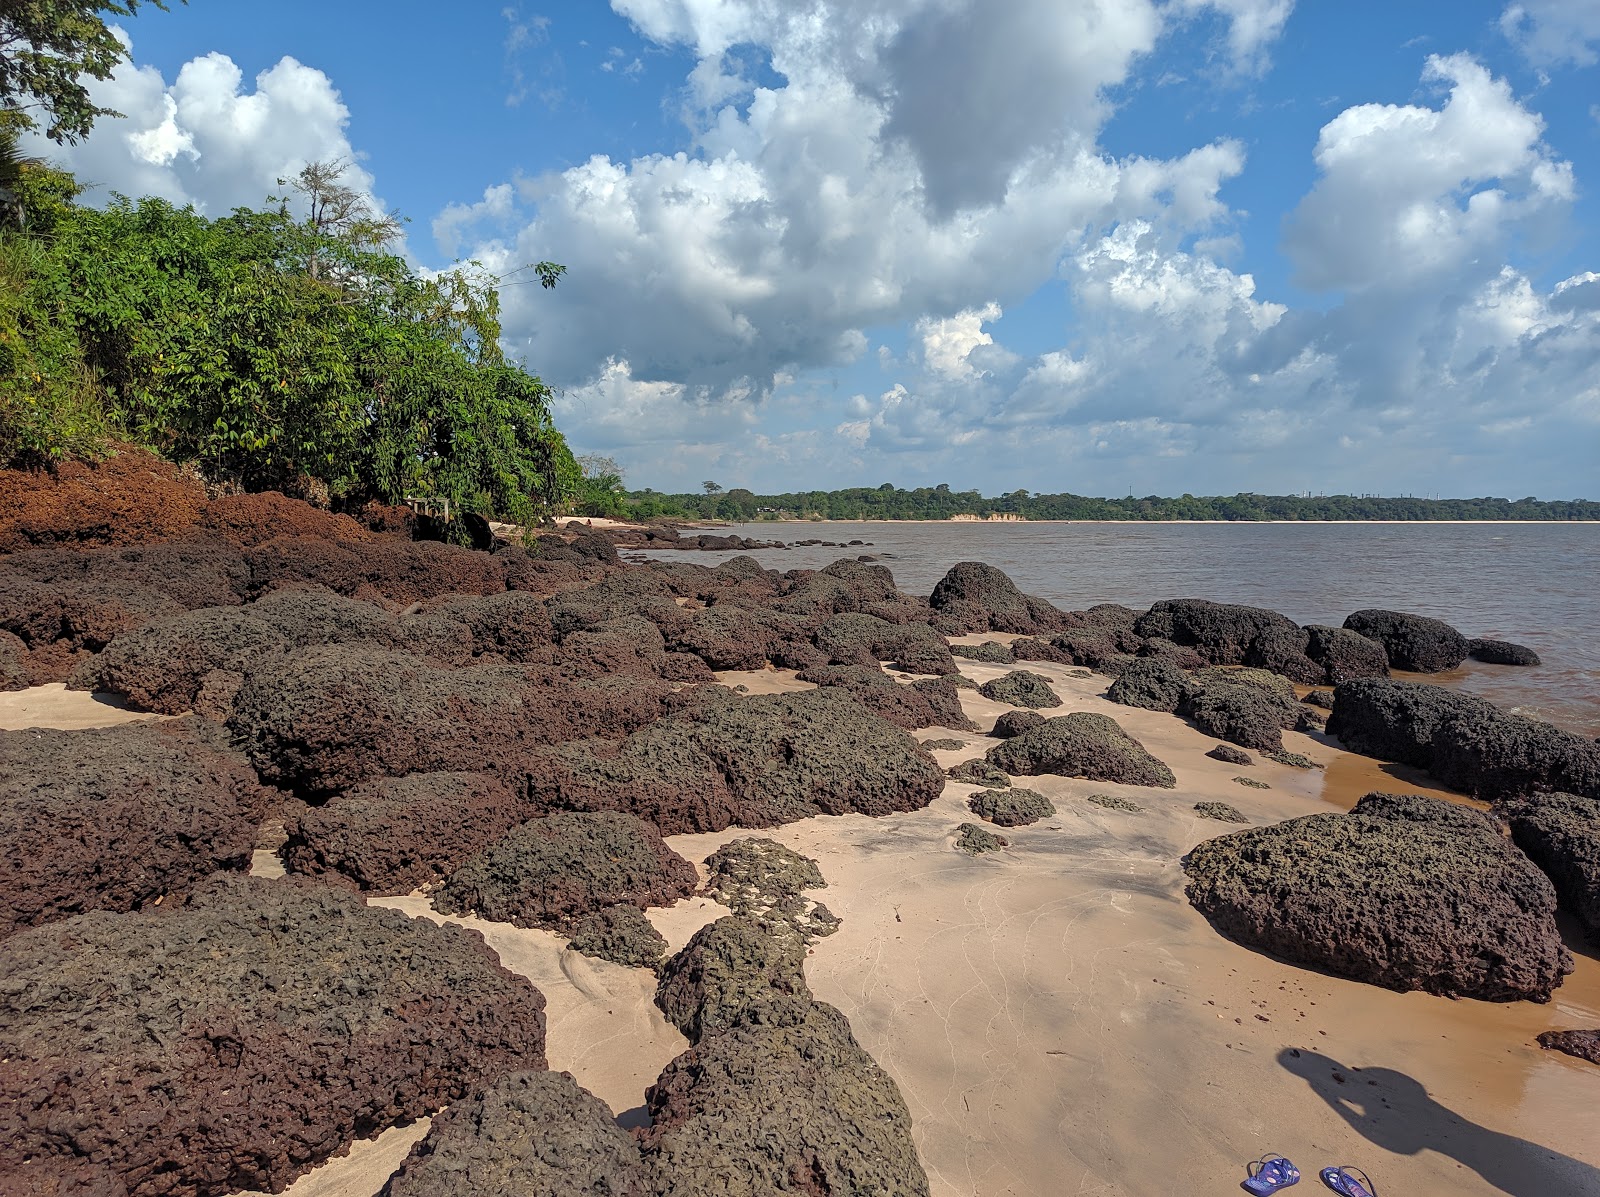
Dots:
{"x": 1086, "y": 245}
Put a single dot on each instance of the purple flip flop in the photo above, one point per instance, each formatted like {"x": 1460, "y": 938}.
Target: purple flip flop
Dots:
{"x": 1343, "y": 1180}
{"x": 1269, "y": 1174}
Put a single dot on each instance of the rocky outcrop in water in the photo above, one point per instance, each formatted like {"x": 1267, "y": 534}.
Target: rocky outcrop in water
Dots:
{"x": 248, "y": 1036}
{"x": 1344, "y": 655}
{"x": 1403, "y": 892}
{"x": 1081, "y": 745}
{"x": 1230, "y": 634}
{"x": 1414, "y": 643}
{"x": 118, "y": 818}
{"x": 1501, "y": 652}
{"x": 975, "y": 597}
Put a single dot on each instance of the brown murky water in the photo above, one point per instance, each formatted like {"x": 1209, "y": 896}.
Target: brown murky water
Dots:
{"x": 1537, "y": 584}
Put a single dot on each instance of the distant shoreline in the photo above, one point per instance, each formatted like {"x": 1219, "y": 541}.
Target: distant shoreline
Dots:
{"x": 1136, "y": 523}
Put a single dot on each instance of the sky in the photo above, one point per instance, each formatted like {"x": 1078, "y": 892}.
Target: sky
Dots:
{"x": 1097, "y": 246}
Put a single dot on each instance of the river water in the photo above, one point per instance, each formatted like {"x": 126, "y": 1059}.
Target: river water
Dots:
{"x": 1536, "y": 584}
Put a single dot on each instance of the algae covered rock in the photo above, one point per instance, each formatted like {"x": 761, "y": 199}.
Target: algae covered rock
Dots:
{"x": 1221, "y": 812}
{"x": 621, "y": 934}
{"x": 1585, "y": 1045}
{"x": 1395, "y": 721}
{"x": 1248, "y": 707}
{"x": 975, "y": 840}
{"x": 1231, "y": 634}
{"x": 535, "y": 1134}
{"x": 1228, "y": 754}
{"x": 926, "y": 702}
{"x": 991, "y": 651}
{"x": 1501, "y": 652}
{"x": 1345, "y": 655}
{"x": 118, "y": 818}
{"x": 1021, "y": 688}
{"x": 553, "y": 870}
{"x": 1085, "y": 745}
{"x": 1561, "y": 834}
{"x": 736, "y": 970}
{"x": 981, "y": 598}
{"x": 1415, "y": 643}
{"x": 1152, "y": 684}
{"x": 978, "y": 772}
{"x": 1404, "y": 893}
{"x": 249, "y": 1034}
{"x": 1011, "y": 808}
{"x": 1014, "y": 723}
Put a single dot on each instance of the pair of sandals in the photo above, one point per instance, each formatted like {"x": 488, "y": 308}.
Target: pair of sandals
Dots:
{"x": 1273, "y": 1172}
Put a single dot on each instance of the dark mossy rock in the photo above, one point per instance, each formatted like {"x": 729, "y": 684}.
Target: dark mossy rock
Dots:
{"x": 736, "y": 970}
{"x": 1561, "y": 833}
{"x": 249, "y": 1035}
{"x": 552, "y": 871}
{"x": 1493, "y": 754}
{"x": 1115, "y": 802}
{"x": 1293, "y": 760}
{"x": 1032, "y": 648}
{"x": 975, "y": 840}
{"x": 734, "y": 636}
{"x": 1311, "y": 722}
{"x": 1319, "y": 698}
{"x": 1022, "y": 688}
{"x": 794, "y": 1106}
{"x": 1221, "y": 812}
{"x": 1419, "y": 808}
{"x": 991, "y": 651}
{"x": 856, "y": 638}
{"x": 1248, "y": 707}
{"x": 1180, "y": 655}
{"x": 1404, "y": 895}
{"x": 759, "y": 761}
{"x": 978, "y": 772}
{"x": 944, "y": 745}
{"x": 763, "y": 879}
{"x": 1230, "y": 634}
{"x": 621, "y": 934}
{"x": 981, "y": 598}
{"x": 392, "y": 835}
{"x": 535, "y": 1134}
{"x": 1252, "y": 783}
{"x": 1344, "y": 655}
{"x": 1014, "y": 723}
{"x": 1015, "y": 807}
{"x": 61, "y": 1176}
{"x": 1085, "y": 745}
{"x": 1228, "y": 754}
{"x": 926, "y": 702}
{"x": 118, "y": 818}
{"x": 14, "y": 672}
{"x": 1585, "y": 1045}
{"x": 1153, "y": 684}
{"x": 1414, "y": 643}
{"x": 1105, "y": 650}
{"x": 1395, "y": 721}
{"x": 1502, "y": 652}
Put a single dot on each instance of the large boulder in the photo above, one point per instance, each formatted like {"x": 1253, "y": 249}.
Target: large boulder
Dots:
{"x": 119, "y": 818}
{"x": 1408, "y": 893}
{"x": 394, "y": 834}
{"x": 1248, "y": 707}
{"x": 1013, "y": 807}
{"x": 1395, "y": 721}
{"x": 734, "y": 971}
{"x": 1494, "y": 754}
{"x": 1344, "y": 655}
{"x": 925, "y": 702}
{"x": 732, "y": 636}
{"x": 1414, "y": 643}
{"x": 1081, "y": 744}
{"x": 248, "y": 1036}
{"x": 1152, "y": 684}
{"x": 535, "y": 1134}
{"x": 1561, "y": 833}
{"x": 1014, "y": 723}
{"x": 1231, "y": 634}
{"x": 856, "y": 638}
{"x": 1501, "y": 652}
{"x": 981, "y": 598}
{"x": 549, "y": 872}
{"x": 1021, "y": 688}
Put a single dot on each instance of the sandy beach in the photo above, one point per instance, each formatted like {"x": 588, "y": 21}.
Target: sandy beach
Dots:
{"x": 1059, "y": 1018}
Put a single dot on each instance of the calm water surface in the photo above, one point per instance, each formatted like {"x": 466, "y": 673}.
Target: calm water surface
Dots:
{"x": 1533, "y": 583}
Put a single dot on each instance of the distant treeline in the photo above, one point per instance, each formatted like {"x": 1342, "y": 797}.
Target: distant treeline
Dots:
{"x": 888, "y": 502}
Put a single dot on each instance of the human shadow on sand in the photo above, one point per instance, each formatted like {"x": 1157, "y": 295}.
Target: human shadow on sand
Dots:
{"x": 1395, "y": 1113}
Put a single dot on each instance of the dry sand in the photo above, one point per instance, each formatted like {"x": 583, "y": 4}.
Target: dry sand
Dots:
{"x": 1061, "y": 1021}
{"x": 53, "y": 705}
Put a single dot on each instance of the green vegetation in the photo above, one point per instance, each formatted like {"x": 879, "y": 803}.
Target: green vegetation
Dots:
{"x": 267, "y": 348}
{"x": 888, "y": 502}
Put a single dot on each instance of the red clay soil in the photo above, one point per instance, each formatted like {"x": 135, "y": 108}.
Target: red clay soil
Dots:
{"x": 131, "y": 498}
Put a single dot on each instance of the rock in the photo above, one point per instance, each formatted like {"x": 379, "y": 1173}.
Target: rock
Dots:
{"x": 1583, "y": 1044}
{"x": 1021, "y": 688}
{"x": 991, "y": 651}
{"x": 1231, "y": 755}
{"x": 761, "y": 878}
{"x": 944, "y": 745}
{"x": 759, "y": 761}
{"x": 978, "y": 772}
{"x": 394, "y": 835}
{"x": 1395, "y": 721}
{"x": 855, "y": 638}
{"x": 1180, "y": 655}
{"x": 1248, "y": 707}
{"x": 248, "y": 1035}
{"x": 1389, "y": 896}
{"x": 983, "y": 599}
{"x": 1113, "y": 802}
{"x": 399, "y": 571}
{"x": 1414, "y": 643}
{"x": 621, "y": 934}
{"x": 1014, "y": 807}
{"x": 1252, "y": 783}
{"x": 975, "y": 840}
{"x": 1344, "y": 655}
{"x": 1311, "y": 723}
{"x": 132, "y": 497}
{"x": 1294, "y": 760}
{"x": 1501, "y": 652}
{"x": 926, "y": 702}
{"x": 1031, "y": 648}
{"x": 1561, "y": 834}
{"x": 535, "y": 1134}
{"x": 1417, "y": 808}
{"x": 1319, "y": 698}
{"x": 764, "y": 1108}
{"x": 733, "y": 972}
{"x": 1151, "y": 683}
{"x": 1107, "y": 650}
{"x": 1230, "y": 634}
{"x": 119, "y": 818}
{"x": 1221, "y": 812}
{"x": 1014, "y": 723}
{"x": 14, "y": 671}
{"x": 551, "y": 871}
{"x": 730, "y": 636}
{"x": 1081, "y": 745}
